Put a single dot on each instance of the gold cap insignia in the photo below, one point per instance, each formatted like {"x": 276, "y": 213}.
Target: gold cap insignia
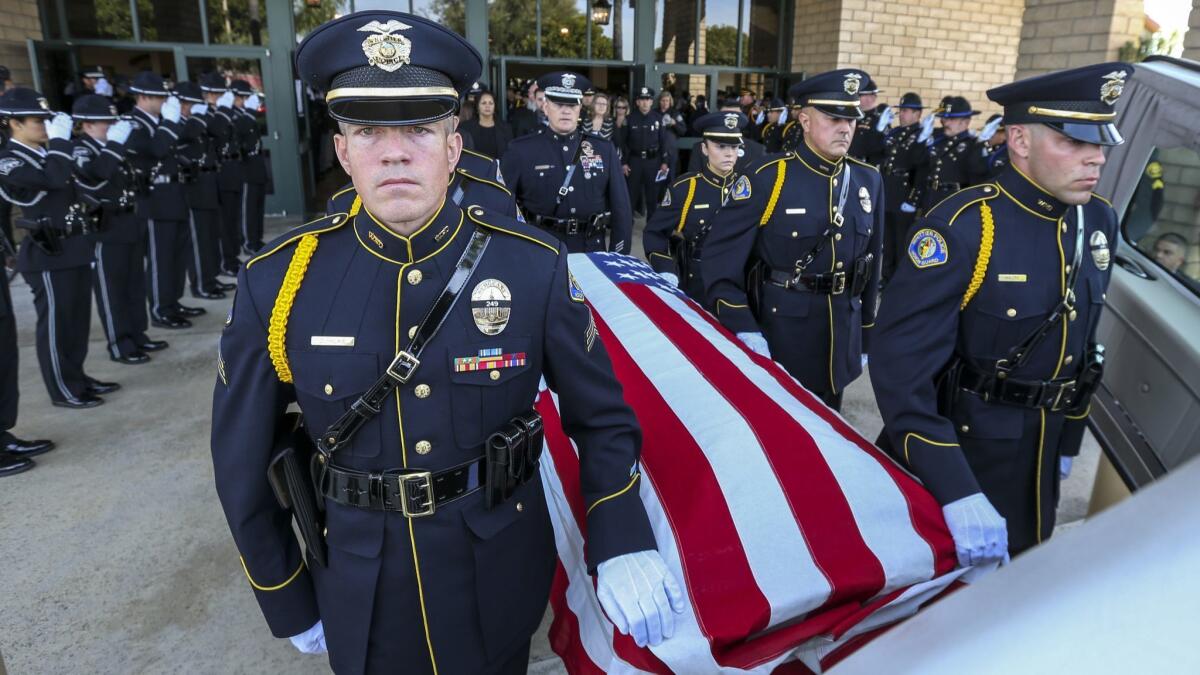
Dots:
{"x": 1100, "y": 252}
{"x": 852, "y": 83}
{"x": 384, "y": 49}
{"x": 491, "y": 306}
{"x": 1114, "y": 84}
{"x": 731, "y": 121}
{"x": 568, "y": 80}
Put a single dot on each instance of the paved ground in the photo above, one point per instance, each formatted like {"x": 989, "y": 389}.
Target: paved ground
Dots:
{"x": 114, "y": 552}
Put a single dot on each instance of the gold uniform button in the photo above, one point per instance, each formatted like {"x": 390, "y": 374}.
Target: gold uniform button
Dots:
{"x": 840, "y": 265}
{"x": 1011, "y": 312}
{"x": 424, "y": 447}
{"x": 422, "y": 391}
{"x": 411, "y": 332}
{"x": 965, "y": 428}
{"x": 1064, "y": 227}
{"x": 495, "y": 374}
{"x": 795, "y": 234}
{"x": 415, "y": 276}
{"x": 520, "y": 507}
{"x": 329, "y": 390}
{"x": 1067, "y": 269}
{"x": 837, "y": 237}
{"x": 701, "y": 222}
{"x": 1073, "y": 315}
{"x": 1068, "y": 359}
{"x": 987, "y": 189}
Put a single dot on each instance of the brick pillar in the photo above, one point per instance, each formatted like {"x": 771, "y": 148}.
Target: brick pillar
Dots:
{"x": 20, "y": 22}
{"x": 1191, "y": 41}
{"x": 816, "y": 33}
{"x": 1058, "y": 34}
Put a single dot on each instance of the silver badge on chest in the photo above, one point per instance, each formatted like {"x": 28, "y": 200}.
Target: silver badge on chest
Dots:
{"x": 1100, "y": 252}
{"x": 491, "y": 306}
{"x": 864, "y": 199}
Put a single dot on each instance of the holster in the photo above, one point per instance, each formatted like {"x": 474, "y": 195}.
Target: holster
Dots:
{"x": 43, "y": 234}
{"x": 1088, "y": 380}
{"x": 290, "y": 473}
{"x": 513, "y": 453}
{"x": 681, "y": 251}
{"x": 756, "y": 276}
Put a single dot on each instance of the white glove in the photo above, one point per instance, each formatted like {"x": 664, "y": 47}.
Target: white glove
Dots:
{"x": 226, "y": 100}
{"x": 669, "y": 278}
{"x": 926, "y": 130}
{"x": 119, "y": 131}
{"x": 200, "y": 109}
{"x": 756, "y": 342}
{"x": 640, "y": 596}
{"x": 171, "y": 109}
{"x": 990, "y": 128}
{"x": 864, "y": 360}
{"x": 1064, "y": 467}
{"x": 885, "y": 119}
{"x": 59, "y": 126}
{"x": 254, "y": 102}
{"x": 908, "y": 208}
{"x": 311, "y": 641}
{"x": 103, "y": 87}
{"x": 980, "y": 533}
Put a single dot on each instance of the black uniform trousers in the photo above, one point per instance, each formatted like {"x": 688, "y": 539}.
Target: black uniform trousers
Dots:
{"x": 9, "y": 392}
{"x": 167, "y": 252}
{"x": 229, "y": 230}
{"x": 254, "y": 196}
{"x": 643, "y": 189}
{"x": 120, "y": 285}
{"x": 63, "y": 299}
{"x": 205, "y": 254}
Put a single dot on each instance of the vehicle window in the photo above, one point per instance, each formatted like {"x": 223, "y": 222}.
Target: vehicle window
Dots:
{"x": 1163, "y": 218}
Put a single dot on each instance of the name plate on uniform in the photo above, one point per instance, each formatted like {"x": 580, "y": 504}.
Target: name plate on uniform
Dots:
{"x": 331, "y": 341}
{"x": 1018, "y": 278}
{"x": 796, "y": 212}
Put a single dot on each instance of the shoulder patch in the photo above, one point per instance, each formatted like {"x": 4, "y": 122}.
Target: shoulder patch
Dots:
{"x": 325, "y": 224}
{"x": 518, "y": 230}
{"x": 928, "y": 249}
{"x": 576, "y": 292}
{"x": 741, "y": 190}
{"x": 8, "y": 164}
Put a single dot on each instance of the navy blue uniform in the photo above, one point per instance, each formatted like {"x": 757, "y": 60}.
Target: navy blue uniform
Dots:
{"x": 682, "y": 222}
{"x": 902, "y": 157}
{"x": 254, "y": 173}
{"x": 772, "y": 137}
{"x": 645, "y": 148}
{"x": 535, "y": 169}
{"x": 777, "y": 215}
{"x": 869, "y": 145}
{"x": 203, "y": 199}
{"x": 41, "y": 183}
{"x": 231, "y": 181}
{"x": 995, "y": 161}
{"x": 983, "y": 270}
{"x": 119, "y": 279}
{"x": 462, "y": 590}
{"x": 951, "y": 167}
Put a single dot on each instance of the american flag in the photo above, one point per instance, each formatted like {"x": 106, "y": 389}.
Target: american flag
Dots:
{"x": 795, "y": 539}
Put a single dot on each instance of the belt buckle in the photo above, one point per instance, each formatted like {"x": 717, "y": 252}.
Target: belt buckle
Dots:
{"x": 839, "y": 283}
{"x": 1061, "y": 399}
{"x": 427, "y": 507}
{"x": 406, "y": 361}
{"x": 572, "y": 226}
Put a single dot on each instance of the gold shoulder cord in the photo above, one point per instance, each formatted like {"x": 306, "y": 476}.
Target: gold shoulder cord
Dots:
{"x": 986, "y": 238}
{"x": 356, "y": 206}
{"x": 687, "y": 204}
{"x": 277, "y": 331}
{"x": 775, "y": 190}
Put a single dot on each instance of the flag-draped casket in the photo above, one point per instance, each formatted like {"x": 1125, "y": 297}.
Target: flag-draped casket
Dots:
{"x": 794, "y": 538}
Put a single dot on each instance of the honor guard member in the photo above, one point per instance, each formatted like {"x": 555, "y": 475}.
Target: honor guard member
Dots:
{"x": 230, "y": 173}
{"x": 903, "y": 155}
{"x": 37, "y": 175}
{"x": 748, "y": 153}
{"x": 565, "y": 179}
{"x": 771, "y": 133}
{"x": 163, "y": 207}
{"x": 647, "y": 152}
{"x": 869, "y": 145}
{"x": 254, "y": 164}
{"x": 118, "y": 275}
{"x": 674, "y": 238}
{"x": 951, "y": 156}
{"x": 435, "y": 326}
{"x": 993, "y": 154}
{"x": 985, "y": 370}
{"x": 809, "y": 225}
{"x": 198, "y": 167}
{"x": 793, "y": 133}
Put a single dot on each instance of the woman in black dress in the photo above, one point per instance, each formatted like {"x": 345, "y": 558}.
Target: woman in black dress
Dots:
{"x": 490, "y": 137}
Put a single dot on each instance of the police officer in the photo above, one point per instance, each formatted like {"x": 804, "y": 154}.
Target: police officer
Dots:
{"x": 254, "y": 164}
{"x": 793, "y": 133}
{"x": 951, "y": 155}
{"x": 771, "y": 133}
{"x": 163, "y": 206}
{"x": 985, "y": 367}
{"x": 526, "y": 117}
{"x": 869, "y": 145}
{"x": 36, "y": 174}
{"x": 118, "y": 278}
{"x": 993, "y": 149}
{"x": 198, "y": 164}
{"x": 230, "y": 174}
{"x": 465, "y": 585}
{"x": 674, "y": 238}
{"x": 903, "y": 154}
{"x": 749, "y": 152}
{"x": 646, "y": 151}
{"x": 566, "y": 179}
{"x": 810, "y": 225}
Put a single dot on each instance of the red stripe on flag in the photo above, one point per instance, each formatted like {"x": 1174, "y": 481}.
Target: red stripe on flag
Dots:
{"x": 923, "y": 509}
{"x": 564, "y": 631}
{"x": 729, "y": 605}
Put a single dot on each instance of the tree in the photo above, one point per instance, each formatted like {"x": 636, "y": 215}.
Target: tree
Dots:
{"x": 512, "y": 28}
{"x": 720, "y": 45}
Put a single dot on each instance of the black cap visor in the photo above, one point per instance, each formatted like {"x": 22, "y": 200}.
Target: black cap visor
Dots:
{"x": 392, "y": 112}
{"x": 843, "y": 112}
{"x": 1098, "y": 134}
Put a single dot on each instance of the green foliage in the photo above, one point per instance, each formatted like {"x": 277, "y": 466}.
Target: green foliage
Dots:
{"x": 512, "y": 28}
{"x": 1151, "y": 44}
{"x": 720, "y": 45}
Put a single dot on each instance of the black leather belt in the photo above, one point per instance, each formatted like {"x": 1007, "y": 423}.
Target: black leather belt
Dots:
{"x": 939, "y": 185}
{"x": 644, "y": 154}
{"x": 830, "y": 283}
{"x": 588, "y": 226}
{"x": 412, "y": 492}
{"x": 1052, "y": 395}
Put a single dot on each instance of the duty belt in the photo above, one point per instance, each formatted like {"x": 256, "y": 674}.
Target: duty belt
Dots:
{"x": 413, "y": 492}
{"x": 644, "y": 154}
{"x": 939, "y": 185}
{"x": 1052, "y": 395}
{"x": 587, "y": 226}
{"x": 829, "y": 283}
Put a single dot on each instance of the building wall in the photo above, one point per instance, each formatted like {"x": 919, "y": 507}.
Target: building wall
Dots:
{"x": 815, "y": 35}
{"x": 19, "y": 23}
{"x": 1067, "y": 33}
